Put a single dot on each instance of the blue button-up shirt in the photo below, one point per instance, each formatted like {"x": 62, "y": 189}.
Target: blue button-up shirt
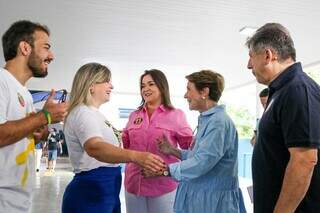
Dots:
{"x": 208, "y": 173}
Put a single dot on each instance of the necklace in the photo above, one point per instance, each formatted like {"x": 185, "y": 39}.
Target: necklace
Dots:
{"x": 116, "y": 132}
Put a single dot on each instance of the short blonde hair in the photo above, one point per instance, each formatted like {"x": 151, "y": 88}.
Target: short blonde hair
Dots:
{"x": 86, "y": 76}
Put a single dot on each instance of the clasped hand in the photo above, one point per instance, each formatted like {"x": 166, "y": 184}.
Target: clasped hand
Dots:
{"x": 151, "y": 173}
{"x": 164, "y": 147}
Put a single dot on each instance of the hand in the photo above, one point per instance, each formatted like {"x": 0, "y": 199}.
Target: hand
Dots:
{"x": 164, "y": 146}
{"x": 253, "y": 139}
{"x": 149, "y": 161}
{"x": 41, "y": 133}
{"x": 150, "y": 174}
{"x": 57, "y": 111}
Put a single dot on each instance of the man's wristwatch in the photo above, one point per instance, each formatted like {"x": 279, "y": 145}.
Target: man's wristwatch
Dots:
{"x": 166, "y": 173}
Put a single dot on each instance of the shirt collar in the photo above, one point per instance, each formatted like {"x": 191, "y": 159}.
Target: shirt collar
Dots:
{"x": 161, "y": 108}
{"x": 287, "y": 75}
{"x": 213, "y": 110}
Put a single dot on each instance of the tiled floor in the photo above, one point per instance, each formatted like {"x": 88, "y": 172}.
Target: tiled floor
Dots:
{"x": 50, "y": 188}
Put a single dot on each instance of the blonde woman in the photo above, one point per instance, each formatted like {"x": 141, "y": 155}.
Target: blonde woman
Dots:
{"x": 94, "y": 149}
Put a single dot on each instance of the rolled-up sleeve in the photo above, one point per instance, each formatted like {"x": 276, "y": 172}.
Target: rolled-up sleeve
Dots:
{"x": 210, "y": 149}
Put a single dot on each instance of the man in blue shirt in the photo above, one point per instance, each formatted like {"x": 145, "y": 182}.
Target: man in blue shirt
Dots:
{"x": 285, "y": 166}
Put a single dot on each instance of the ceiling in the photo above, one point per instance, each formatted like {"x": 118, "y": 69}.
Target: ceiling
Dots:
{"x": 178, "y": 37}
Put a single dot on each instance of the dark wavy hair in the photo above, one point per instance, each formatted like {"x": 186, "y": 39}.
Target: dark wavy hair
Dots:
{"x": 17, "y": 32}
{"x": 162, "y": 83}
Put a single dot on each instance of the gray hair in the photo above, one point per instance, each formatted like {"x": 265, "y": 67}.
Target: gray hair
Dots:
{"x": 273, "y": 36}
{"x": 86, "y": 76}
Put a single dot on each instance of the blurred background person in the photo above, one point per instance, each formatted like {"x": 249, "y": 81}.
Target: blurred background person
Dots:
{"x": 38, "y": 153}
{"x": 263, "y": 95}
{"x": 155, "y": 118}
{"x": 52, "y": 145}
{"x": 208, "y": 172}
{"x": 94, "y": 148}
{"x": 64, "y": 150}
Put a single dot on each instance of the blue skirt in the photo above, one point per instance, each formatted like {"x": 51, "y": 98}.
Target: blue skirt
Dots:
{"x": 93, "y": 191}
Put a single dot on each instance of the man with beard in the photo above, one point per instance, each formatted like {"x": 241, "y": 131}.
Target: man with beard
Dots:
{"x": 27, "y": 54}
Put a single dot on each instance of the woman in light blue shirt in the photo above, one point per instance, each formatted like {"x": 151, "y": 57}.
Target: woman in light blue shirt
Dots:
{"x": 208, "y": 172}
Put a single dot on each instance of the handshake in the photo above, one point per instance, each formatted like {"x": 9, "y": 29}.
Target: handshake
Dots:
{"x": 153, "y": 165}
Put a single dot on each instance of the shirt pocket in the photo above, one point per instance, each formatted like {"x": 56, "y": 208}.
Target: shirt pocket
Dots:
{"x": 137, "y": 137}
{"x": 167, "y": 131}
{"x": 170, "y": 133}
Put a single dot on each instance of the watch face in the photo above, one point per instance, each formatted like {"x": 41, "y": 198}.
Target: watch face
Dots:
{"x": 165, "y": 173}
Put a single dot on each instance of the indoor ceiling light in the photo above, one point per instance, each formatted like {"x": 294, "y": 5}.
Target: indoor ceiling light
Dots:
{"x": 248, "y": 31}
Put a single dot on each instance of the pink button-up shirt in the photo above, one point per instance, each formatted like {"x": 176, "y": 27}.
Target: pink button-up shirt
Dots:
{"x": 141, "y": 133}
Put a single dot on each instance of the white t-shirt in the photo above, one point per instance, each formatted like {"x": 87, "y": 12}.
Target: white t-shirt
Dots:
{"x": 17, "y": 173}
{"x": 83, "y": 123}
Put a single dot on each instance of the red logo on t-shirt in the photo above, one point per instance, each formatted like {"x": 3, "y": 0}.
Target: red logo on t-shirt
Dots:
{"x": 21, "y": 100}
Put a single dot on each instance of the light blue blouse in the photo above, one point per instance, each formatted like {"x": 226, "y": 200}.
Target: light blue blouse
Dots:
{"x": 208, "y": 174}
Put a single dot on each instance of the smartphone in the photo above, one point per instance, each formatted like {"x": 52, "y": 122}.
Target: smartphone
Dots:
{"x": 63, "y": 97}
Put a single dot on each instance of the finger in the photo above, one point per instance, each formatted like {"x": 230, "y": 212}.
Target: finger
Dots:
{"x": 146, "y": 175}
{"x": 37, "y": 134}
{"x": 160, "y": 142}
{"x": 157, "y": 167}
{"x": 65, "y": 105}
{"x": 152, "y": 168}
{"x": 52, "y": 95}
{"x": 164, "y": 137}
{"x": 157, "y": 159}
{"x": 157, "y": 164}
{"x": 144, "y": 172}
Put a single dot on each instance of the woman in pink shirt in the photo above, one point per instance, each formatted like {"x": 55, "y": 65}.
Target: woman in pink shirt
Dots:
{"x": 154, "y": 119}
